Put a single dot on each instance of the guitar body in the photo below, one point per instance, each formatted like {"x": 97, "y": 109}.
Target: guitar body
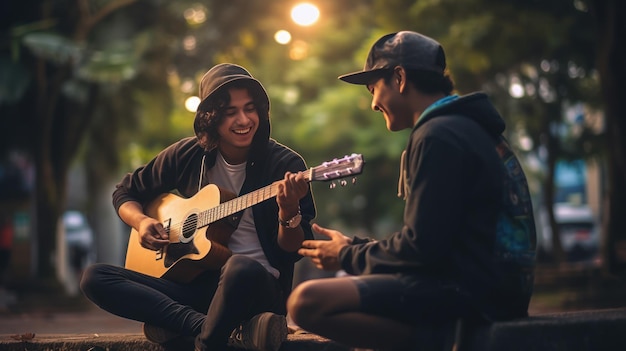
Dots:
{"x": 191, "y": 250}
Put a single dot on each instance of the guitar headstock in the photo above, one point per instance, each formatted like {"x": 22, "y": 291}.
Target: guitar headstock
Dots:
{"x": 338, "y": 168}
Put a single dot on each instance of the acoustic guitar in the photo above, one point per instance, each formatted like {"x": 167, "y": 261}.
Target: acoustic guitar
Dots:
{"x": 199, "y": 227}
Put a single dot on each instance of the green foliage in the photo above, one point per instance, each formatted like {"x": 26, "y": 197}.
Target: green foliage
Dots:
{"x": 487, "y": 43}
{"x": 52, "y": 47}
{"x": 147, "y": 58}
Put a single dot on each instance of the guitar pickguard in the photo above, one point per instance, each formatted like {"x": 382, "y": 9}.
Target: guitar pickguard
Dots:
{"x": 176, "y": 251}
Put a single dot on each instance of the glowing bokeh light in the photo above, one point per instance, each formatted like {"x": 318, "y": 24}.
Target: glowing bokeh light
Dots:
{"x": 195, "y": 15}
{"x": 189, "y": 43}
{"x": 516, "y": 90}
{"x": 305, "y": 14}
{"x": 191, "y": 104}
{"x": 299, "y": 50}
{"x": 282, "y": 37}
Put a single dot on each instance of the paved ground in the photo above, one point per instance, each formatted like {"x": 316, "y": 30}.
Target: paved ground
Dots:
{"x": 92, "y": 321}
{"x": 44, "y": 314}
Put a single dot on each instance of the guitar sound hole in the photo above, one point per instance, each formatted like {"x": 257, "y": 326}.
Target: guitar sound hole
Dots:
{"x": 190, "y": 226}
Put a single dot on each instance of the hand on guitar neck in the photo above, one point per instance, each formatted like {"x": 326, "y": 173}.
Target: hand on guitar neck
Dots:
{"x": 290, "y": 190}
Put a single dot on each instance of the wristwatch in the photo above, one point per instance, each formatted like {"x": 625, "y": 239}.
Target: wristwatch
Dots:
{"x": 291, "y": 223}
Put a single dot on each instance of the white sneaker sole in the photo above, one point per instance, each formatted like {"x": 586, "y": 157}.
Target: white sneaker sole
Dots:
{"x": 272, "y": 333}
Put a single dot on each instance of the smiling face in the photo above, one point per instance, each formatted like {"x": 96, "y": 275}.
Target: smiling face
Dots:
{"x": 387, "y": 97}
{"x": 237, "y": 129}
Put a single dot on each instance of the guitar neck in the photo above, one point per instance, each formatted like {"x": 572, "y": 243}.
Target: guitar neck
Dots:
{"x": 240, "y": 203}
{"x": 327, "y": 171}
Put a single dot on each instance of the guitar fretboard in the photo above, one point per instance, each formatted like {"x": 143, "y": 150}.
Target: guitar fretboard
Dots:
{"x": 240, "y": 203}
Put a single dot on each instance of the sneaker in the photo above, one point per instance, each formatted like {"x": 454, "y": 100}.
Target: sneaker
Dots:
{"x": 158, "y": 335}
{"x": 264, "y": 332}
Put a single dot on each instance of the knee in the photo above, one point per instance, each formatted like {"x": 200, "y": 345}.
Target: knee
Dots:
{"x": 242, "y": 265}
{"x": 92, "y": 278}
{"x": 303, "y": 305}
{"x": 242, "y": 269}
{"x": 88, "y": 279}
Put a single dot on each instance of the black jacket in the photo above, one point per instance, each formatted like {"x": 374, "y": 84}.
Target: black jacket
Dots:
{"x": 457, "y": 219}
{"x": 177, "y": 168}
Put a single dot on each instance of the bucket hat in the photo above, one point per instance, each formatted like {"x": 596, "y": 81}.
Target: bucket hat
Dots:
{"x": 223, "y": 74}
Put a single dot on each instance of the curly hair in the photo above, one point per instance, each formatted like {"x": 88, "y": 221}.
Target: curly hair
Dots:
{"x": 213, "y": 111}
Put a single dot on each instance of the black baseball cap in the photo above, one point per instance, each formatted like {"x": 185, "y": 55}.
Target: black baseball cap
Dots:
{"x": 410, "y": 50}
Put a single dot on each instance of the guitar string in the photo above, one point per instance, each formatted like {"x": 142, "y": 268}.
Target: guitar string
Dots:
{"x": 222, "y": 210}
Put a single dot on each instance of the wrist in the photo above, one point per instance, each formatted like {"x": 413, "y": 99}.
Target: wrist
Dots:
{"x": 287, "y": 211}
{"x": 290, "y": 221}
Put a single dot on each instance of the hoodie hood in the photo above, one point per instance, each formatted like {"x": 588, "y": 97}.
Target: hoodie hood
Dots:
{"x": 475, "y": 106}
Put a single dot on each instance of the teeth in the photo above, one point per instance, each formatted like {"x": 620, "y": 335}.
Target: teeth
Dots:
{"x": 242, "y": 131}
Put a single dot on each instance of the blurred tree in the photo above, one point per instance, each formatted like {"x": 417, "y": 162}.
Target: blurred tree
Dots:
{"x": 49, "y": 40}
{"x": 110, "y": 60}
{"x": 610, "y": 21}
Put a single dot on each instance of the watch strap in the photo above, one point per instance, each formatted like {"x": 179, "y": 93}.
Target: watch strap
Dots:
{"x": 287, "y": 223}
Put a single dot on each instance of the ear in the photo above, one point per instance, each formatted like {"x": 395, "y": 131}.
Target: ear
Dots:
{"x": 399, "y": 77}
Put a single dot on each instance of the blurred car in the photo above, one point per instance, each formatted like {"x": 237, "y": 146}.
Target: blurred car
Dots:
{"x": 79, "y": 239}
{"x": 579, "y": 233}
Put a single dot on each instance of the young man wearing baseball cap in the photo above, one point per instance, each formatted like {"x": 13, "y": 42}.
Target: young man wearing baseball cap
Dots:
{"x": 241, "y": 305}
{"x": 466, "y": 247}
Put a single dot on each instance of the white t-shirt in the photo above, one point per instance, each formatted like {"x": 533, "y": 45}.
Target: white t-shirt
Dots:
{"x": 244, "y": 240}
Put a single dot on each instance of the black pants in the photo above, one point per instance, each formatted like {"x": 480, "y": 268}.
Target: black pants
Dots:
{"x": 208, "y": 308}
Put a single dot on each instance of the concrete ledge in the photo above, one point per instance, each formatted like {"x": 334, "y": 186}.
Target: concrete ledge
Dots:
{"x": 137, "y": 342}
{"x": 592, "y": 330}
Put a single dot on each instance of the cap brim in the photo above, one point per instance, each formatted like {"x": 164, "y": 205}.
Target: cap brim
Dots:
{"x": 361, "y": 77}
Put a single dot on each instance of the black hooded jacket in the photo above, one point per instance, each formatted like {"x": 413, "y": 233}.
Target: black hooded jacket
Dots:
{"x": 457, "y": 222}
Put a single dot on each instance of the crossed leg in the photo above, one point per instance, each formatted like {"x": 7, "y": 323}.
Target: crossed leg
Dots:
{"x": 332, "y": 308}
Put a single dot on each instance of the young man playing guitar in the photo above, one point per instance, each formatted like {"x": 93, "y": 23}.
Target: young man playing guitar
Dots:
{"x": 241, "y": 301}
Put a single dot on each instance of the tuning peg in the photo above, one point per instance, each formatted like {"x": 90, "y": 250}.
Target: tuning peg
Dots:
{"x": 343, "y": 182}
{"x": 353, "y": 180}
{"x": 332, "y": 185}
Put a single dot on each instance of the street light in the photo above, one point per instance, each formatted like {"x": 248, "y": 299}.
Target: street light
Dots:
{"x": 305, "y": 14}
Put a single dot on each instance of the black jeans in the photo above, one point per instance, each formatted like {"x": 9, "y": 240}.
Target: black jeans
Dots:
{"x": 208, "y": 308}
